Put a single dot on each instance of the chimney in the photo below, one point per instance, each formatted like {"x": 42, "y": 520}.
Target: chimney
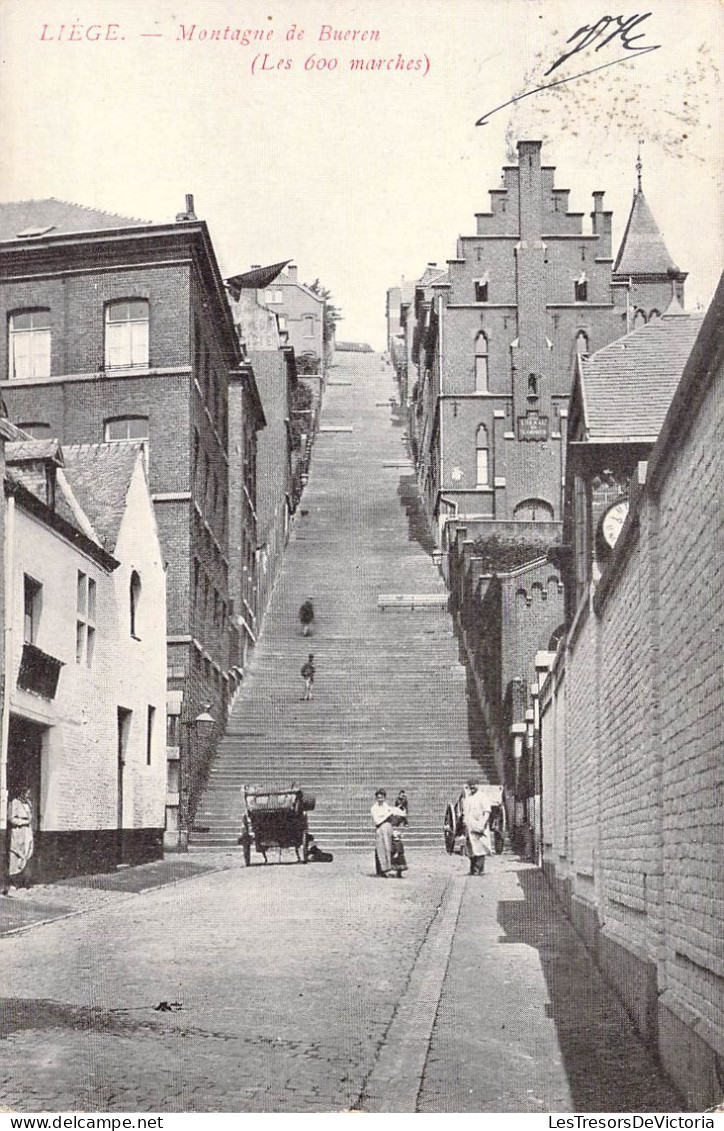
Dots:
{"x": 189, "y": 214}
{"x": 292, "y": 272}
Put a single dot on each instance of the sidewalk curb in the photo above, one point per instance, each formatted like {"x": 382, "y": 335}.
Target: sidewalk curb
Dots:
{"x": 125, "y": 898}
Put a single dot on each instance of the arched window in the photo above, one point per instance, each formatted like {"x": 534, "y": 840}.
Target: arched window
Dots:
{"x": 532, "y": 387}
{"x": 639, "y": 319}
{"x": 582, "y": 343}
{"x": 127, "y": 333}
{"x": 135, "y": 598}
{"x": 481, "y": 363}
{"x": 654, "y": 315}
{"x": 29, "y": 344}
{"x": 483, "y": 457}
{"x": 533, "y": 510}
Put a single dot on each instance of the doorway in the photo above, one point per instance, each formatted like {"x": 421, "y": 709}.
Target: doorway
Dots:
{"x": 25, "y": 752}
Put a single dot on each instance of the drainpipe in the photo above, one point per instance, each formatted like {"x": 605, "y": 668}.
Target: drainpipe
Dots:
{"x": 8, "y": 667}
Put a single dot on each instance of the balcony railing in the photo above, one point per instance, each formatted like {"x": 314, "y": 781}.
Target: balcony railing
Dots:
{"x": 39, "y": 672}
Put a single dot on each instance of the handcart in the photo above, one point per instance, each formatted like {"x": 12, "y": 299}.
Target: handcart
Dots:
{"x": 454, "y": 821}
{"x": 275, "y": 818}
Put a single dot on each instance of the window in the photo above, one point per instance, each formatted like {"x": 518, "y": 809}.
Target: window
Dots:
{"x": 580, "y": 289}
{"x": 196, "y": 581}
{"x": 126, "y": 428}
{"x": 32, "y": 597}
{"x": 308, "y": 325}
{"x": 134, "y": 593}
{"x": 654, "y": 315}
{"x": 582, "y": 347}
{"x": 85, "y": 632}
{"x": 481, "y": 363}
{"x": 274, "y": 298}
{"x": 532, "y": 387}
{"x": 282, "y": 322}
{"x": 29, "y": 344}
{"x": 483, "y": 457}
{"x": 481, "y": 289}
{"x": 639, "y": 319}
{"x": 127, "y": 333}
{"x": 533, "y": 510}
{"x": 197, "y": 445}
{"x": 150, "y": 717}
{"x": 36, "y": 429}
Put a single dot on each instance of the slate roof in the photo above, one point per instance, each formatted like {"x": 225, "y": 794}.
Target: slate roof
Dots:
{"x": 628, "y": 385}
{"x": 642, "y": 250}
{"x": 99, "y": 476}
{"x": 55, "y": 217}
{"x": 20, "y": 450}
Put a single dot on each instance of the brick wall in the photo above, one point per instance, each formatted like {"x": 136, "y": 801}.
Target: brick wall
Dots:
{"x": 633, "y": 801}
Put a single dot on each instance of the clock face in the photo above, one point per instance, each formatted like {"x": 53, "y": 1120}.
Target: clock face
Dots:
{"x": 612, "y": 522}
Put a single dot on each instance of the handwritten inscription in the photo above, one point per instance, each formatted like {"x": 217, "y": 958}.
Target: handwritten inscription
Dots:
{"x": 603, "y": 32}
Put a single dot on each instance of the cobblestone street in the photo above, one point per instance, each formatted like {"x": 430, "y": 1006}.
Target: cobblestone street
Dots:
{"x": 318, "y": 989}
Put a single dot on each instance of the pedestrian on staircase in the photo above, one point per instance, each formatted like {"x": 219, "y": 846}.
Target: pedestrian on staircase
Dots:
{"x": 476, "y": 814}
{"x": 382, "y": 815}
{"x": 308, "y": 671}
{"x": 306, "y": 616}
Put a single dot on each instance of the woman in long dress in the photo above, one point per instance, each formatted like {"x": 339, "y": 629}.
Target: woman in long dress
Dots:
{"x": 382, "y": 815}
{"x": 20, "y": 821}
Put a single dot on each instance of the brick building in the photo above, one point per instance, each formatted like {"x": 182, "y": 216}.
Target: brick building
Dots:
{"x": 121, "y": 329}
{"x": 631, "y": 711}
{"x": 83, "y": 723}
{"x": 301, "y": 316}
{"x": 492, "y": 341}
{"x": 274, "y": 365}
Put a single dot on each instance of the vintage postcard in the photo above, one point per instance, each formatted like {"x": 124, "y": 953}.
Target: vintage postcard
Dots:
{"x": 361, "y": 441}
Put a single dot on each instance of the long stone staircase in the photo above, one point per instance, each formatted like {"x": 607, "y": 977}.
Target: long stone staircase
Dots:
{"x": 390, "y": 704}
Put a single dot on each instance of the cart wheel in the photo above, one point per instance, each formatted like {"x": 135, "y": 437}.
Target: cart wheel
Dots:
{"x": 449, "y": 830}
{"x": 305, "y": 847}
{"x": 246, "y": 849}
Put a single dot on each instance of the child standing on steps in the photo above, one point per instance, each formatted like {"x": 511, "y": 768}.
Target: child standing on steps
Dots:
{"x": 308, "y": 670}
{"x": 306, "y": 616}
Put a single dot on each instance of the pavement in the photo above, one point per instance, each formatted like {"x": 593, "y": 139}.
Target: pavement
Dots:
{"x": 285, "y": 988}
{"x": 27, "y": 907}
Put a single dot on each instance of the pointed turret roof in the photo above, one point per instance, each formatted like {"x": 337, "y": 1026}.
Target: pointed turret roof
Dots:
{"x": 642, "y": 250}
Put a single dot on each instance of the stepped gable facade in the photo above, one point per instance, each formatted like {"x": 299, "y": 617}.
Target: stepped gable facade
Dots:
{"x": 118, "y": 329}
{"x": 85, "y": 663}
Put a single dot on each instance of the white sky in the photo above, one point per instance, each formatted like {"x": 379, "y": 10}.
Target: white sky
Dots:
{"x": 361, "y": 178}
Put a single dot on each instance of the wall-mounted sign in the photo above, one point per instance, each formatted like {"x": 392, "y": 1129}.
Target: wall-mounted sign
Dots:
{"x": 532, "y": 426}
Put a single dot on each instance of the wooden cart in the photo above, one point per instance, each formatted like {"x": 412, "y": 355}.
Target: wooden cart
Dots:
{"x": 275, "y": 818}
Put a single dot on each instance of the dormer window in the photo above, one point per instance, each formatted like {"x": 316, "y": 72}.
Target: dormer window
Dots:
{"x": 127, "y": 334}
{"x": 29, "y": 344}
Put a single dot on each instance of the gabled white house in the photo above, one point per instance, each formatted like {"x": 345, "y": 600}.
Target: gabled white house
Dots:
{"x": 83, "y": 719}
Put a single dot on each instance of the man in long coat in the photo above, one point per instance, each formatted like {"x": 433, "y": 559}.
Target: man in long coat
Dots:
{"x": 476, "y": 813}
